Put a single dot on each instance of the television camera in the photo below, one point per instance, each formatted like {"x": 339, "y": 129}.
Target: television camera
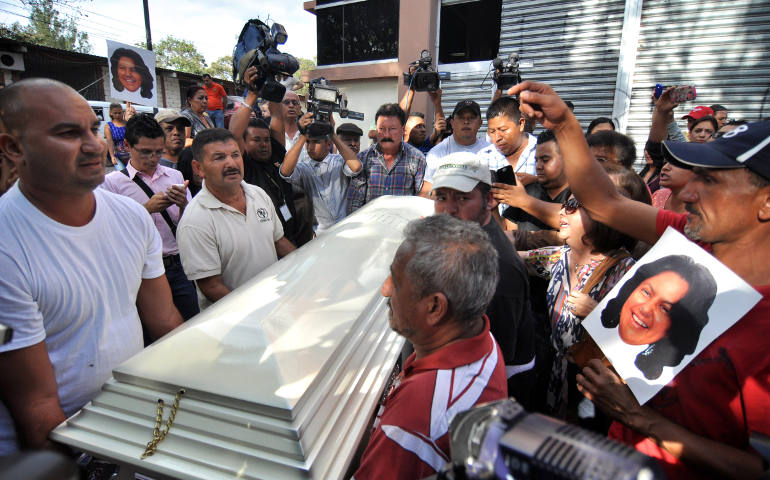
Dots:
{"x": 323, "y": 100}
{"x": 422, "y": 77}
{"x": 257, "y": 46}
{"x": 501, "y": 440}
{"x": 506, "y": 71}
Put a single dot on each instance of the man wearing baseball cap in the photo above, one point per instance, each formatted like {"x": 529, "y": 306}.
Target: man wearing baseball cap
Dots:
{"x": 461, "y": 188}
{"x": 466, "y": 121}
{"x": 173, "y": 125}
{"x": 699, "y": 424}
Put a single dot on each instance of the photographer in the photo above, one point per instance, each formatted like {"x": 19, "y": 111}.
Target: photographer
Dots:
{"x": 323, "y": 175}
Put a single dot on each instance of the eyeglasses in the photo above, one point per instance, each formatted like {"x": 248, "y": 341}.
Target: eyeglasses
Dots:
{"x": 570, "y": 206}
{"x": 290, "y": 102}
{"x": 145, "y": 153}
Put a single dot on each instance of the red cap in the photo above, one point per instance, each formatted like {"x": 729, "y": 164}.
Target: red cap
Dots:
{"x": 699, "y": 112}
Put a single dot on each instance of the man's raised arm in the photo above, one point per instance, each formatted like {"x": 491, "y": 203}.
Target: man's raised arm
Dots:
{"x": 587, "y": 179}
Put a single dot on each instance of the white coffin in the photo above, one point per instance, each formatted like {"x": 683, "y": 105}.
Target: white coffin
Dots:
{"x": 282, "y": 376}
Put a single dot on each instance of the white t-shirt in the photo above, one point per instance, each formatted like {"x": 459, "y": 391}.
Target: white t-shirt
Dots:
{"x": 216, "y": 239}
{"x": 74, "y": 288}
{"x": 447, "y": 146}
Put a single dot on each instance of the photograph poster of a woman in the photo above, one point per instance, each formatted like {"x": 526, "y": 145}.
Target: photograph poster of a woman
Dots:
{"x": 132, "y": 74}
{"x": 669, "y": 306}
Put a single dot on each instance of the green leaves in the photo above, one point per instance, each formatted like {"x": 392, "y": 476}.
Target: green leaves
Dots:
{"x": 48, "y": 27}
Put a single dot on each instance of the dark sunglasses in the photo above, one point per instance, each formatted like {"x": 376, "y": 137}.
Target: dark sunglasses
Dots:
{"x": 570, "y": 206}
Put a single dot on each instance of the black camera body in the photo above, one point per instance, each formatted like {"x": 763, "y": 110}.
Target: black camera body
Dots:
{"x": 323, "y": 100}
{"x": 424, "y": 78}
{"x": 257, "y": 46}
{"x": 506, "y": 73}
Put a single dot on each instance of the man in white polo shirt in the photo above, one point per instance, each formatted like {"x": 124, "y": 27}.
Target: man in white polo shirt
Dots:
{"x": 230, "y": 231}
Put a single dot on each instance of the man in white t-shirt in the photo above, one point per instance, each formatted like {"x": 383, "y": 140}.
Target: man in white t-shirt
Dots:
{"x": 230, "y": 231}
{"x": 80, "y": 266}
{"x": 511, "y": 144}
{"x": 466, "y": 121}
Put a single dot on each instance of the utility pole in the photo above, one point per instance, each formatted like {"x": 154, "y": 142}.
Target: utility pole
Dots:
{"x": 147, "y": 24}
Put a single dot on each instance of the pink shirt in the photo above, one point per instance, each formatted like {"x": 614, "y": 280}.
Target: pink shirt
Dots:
{"x": 161, "y": 180}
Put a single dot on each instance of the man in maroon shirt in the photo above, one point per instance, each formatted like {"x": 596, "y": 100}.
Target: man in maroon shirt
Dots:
{"x": 699, "y": 424}
{"x": 441, "y": 280}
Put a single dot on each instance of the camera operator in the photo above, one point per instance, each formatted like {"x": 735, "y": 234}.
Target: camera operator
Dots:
{"x": 322, "y": 175}
{"x": 415, "y": 131}
{"x": 262, "y": 153}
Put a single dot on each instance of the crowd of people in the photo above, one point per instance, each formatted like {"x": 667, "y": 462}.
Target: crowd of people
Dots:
{"x": 530, "y": 232}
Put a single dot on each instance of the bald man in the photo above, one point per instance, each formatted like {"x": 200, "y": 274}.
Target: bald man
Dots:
{"x": 76, "y": 306}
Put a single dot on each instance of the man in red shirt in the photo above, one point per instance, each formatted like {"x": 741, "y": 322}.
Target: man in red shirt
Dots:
{"x": 699, "y": 424}
{"x": 442, "y": 279}
{"x": 217, "y": 96}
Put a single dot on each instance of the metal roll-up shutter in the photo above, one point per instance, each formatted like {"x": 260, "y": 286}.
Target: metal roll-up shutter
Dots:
{"x": 721, "y": 47}
{"x": 574, "y": 46}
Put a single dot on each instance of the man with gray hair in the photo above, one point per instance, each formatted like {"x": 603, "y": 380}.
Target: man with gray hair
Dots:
{"x": 441, "y": 281}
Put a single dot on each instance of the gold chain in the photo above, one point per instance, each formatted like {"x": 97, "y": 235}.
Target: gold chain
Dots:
{"x": 157, "y": 434}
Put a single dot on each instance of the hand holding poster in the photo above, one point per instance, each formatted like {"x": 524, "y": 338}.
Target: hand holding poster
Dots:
{"x": 132, "y": 74}
{"x": 672, "y": 304}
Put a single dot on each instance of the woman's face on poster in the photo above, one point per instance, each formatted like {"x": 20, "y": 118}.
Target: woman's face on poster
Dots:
{"x": 127, "y": 74}
{"x": 645, "y": 317}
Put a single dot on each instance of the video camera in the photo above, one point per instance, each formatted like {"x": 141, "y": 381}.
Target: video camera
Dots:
{"x": 506, "y": 72}
{"x": 501, "y": 440}
{"x": 424, "y": 78}
{"x": 323, "y": 100}
{"x": 257, "y": 46}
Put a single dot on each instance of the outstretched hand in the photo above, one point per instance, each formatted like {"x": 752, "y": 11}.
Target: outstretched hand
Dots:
{"x": 512, "y": 195}
{"x": 541, "y": 102}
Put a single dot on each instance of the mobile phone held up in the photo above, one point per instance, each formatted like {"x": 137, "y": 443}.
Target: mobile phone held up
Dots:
{"x": 680, "y": 93}
{"x": 505, "y": 175}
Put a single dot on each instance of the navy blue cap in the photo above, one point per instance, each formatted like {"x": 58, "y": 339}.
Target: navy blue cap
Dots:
{"x": 746, "y": 146}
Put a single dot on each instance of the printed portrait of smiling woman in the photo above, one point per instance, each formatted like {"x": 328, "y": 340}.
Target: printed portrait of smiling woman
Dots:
{"x": 664, "y": 305}
{"x": 130, "y": 73}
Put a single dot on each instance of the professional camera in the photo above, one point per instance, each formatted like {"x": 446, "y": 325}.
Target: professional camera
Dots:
{"x": 506, "y": 71}
{"x": 323, "y": 100}
{"x": 501, "y": 440}
{"x": 257, "y": 46}
{"x": 422, "y": 77}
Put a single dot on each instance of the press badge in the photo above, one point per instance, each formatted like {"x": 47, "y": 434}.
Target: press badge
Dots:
{"x": 285, "y": 212}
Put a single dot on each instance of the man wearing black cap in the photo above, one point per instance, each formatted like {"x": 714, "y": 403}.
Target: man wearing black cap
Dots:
{"x": 466, "y": 121}
{"x": 350, "y": 135}
{"x": 699, "y": 424}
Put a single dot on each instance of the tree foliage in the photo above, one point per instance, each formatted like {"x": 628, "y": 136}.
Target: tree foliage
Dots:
{"x": 48, "y": 27}
{"x": 305, "y": 65}
{"x": 178, "y": 54}
{"x": 222, "y": 68}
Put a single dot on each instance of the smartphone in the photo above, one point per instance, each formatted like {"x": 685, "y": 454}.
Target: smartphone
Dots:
{"x": 505, "y": 175}
{"x": 683, "y": 93}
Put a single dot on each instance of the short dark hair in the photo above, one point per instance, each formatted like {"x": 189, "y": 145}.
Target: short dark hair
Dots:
{"x": 718, "y": 108}
{"x": 623, "y": 145}
{"x": 255, "y": 123}
{"x": 145, "y": 89}
{"x": 504, "y": 107}
{"x": 546, "y": 136}
{"x": 142, "y": 125}
{"x": 209, "y": 135}
{"x": 115, "y": 105}
{"x": 598, "y": 121}
{"x": 417, "y": 114}
{"x": 706, "y": 118}
{"x": 688, "y": 316}
{"x": 205, "y": 75}
{"x": 391, "y": 110}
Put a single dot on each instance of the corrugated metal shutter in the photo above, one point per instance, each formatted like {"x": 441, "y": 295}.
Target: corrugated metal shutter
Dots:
{"x": 574, "y": 46}
{"x": 721, "y": 47}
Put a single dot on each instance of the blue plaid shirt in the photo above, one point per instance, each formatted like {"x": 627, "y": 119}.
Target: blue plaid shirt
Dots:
{"x": 404, "y": 177}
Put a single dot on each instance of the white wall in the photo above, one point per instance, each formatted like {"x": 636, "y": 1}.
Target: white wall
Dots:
{"x": 366, "y": 96}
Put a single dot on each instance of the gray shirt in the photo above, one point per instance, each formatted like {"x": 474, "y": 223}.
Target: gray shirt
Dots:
{"x": 326, "y": 182}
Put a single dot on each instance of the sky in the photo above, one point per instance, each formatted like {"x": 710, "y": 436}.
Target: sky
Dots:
{"x": 213, "y": 25}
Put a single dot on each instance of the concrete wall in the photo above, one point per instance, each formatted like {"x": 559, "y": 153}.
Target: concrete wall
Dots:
{"x": 366, "y": 96}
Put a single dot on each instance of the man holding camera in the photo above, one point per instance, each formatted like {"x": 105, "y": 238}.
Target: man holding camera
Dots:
{"x": 323, "y": 175}
{"x": 163, "y": 192}
{"x": 415, "y": 131}
{"x": 390, "y": 166}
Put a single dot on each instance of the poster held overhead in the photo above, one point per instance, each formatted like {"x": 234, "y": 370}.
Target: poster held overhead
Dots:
{"x": 132, "y": 74}
{"x": 670, "y": 306}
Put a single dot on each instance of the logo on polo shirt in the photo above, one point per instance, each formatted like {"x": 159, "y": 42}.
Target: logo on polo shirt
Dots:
{"x": 263, "y": 215}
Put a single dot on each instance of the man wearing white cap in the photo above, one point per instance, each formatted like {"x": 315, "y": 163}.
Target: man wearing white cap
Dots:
{"x": 461, "y": 188}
